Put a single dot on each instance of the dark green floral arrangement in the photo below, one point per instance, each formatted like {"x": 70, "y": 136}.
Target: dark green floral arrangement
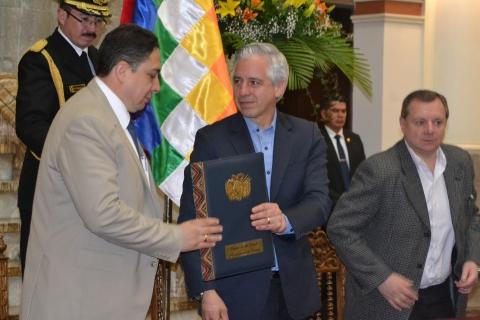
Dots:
{"x": 302, "y": 30}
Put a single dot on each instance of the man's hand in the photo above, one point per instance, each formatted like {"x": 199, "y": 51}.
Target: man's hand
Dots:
{"x": 213, "y": 307}
{"x": 398, "y": 291}
{"x": 200, "y": 233}
{"x": 469, "y": 277}
{"x": 268, "y": 216}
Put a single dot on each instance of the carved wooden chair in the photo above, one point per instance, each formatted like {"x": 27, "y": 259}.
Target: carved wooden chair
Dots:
{"x": 330, "y": 277}
{"x": 3, "y": 281}
{"x": 160, "y": 305}
{"x": 10, "y": 145}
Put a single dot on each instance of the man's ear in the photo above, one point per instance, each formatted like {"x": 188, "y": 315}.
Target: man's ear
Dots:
{"x": 61, "y": 16}
{"x": 403, "y": 123}
{"x": 280, "y": 88}
{"x": 121, "y": 70}
{"x": 325, "y": 115}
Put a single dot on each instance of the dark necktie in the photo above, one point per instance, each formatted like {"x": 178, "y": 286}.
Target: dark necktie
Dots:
{"x": 87, "y": 63}
{"x": 133, "y": 134}
{"x": 343, "y": 163}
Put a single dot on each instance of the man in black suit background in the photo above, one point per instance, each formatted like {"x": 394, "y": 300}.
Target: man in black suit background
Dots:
{"x": 344, "y": 147}
{"x": 51, "y": 71}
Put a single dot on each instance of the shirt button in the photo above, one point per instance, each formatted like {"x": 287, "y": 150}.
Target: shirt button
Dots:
{"x": 266, "y": 148}
{"x": 268, "y": 172}
{"x": 419, "y": 266}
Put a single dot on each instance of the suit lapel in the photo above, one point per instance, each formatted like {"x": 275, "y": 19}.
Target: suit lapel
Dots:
{"x": 112, "y": 118}
{"x": 331, "y": 148}
{"x": 242, "y": 143}
{"x": 69, "y": 58}
{"x": 351, "y": 153}
{"x": 454, "y": 176}
{"x": 93, "y": 54}
{"x": 281, "y": 152}
{"x": 239, "y": 135}
{"x": 412, "y": 184}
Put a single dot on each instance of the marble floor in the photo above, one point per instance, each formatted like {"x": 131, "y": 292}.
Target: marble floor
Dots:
{"x": 183, "y": 315}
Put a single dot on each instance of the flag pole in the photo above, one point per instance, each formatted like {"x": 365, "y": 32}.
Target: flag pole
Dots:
{"x": 168, "y": 265}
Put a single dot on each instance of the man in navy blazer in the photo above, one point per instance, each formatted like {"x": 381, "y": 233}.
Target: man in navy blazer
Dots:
{"x": 295, "y": 170}
{"x": 334, "y": 115}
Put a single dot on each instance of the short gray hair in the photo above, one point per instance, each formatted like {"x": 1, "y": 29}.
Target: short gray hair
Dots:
{"x": 277, "y": 69}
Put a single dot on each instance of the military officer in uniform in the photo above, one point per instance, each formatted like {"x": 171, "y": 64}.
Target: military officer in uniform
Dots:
{"x": 51, "y": 72}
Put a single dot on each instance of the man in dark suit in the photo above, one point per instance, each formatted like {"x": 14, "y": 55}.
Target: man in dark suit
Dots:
{"x": 295, "y": 170}
{"x": 344, "y": 147}
{"x": 408, "y": 229}
{"x": 49, "y": 74}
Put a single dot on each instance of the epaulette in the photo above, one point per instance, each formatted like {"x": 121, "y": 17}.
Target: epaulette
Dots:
{"x": 39, "y": 45}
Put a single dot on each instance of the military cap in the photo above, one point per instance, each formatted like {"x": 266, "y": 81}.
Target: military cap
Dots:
{"x": 98, "y": 8}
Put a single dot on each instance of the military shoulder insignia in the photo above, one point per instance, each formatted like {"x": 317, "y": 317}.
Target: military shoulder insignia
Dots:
{"x": 39, "y": 45}
{"x": 75, "y": 87}
{"x": 238, "y": 187}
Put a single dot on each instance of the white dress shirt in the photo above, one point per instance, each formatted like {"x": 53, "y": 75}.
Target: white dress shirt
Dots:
{"x": 438, "y": 263}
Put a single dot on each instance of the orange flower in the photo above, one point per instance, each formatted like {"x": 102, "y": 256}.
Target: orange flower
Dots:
{"x": 321, "y": 7}
{"x": 256, "y": 3}
{"x": 248, "y": 15}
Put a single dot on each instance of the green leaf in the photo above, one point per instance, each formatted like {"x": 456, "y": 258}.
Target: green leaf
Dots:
{"x": 305, "y": 54}
{"x": 300, "y": 61}
{"x": 337, "y": 51}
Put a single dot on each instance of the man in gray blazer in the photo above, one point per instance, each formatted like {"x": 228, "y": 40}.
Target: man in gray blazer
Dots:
{"x": 408, "y": 229}
{"x": 97, "y": 232}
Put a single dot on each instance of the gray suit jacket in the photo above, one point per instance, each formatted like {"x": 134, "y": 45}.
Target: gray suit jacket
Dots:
{"x": 96, "y": 232}
{"x": 381, "y": 225}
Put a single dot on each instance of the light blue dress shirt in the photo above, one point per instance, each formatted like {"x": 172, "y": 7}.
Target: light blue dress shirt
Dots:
{"x": 263, "y": 141}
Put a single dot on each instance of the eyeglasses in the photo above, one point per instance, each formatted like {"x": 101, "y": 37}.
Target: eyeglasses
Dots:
{"x": 86, "y": 21}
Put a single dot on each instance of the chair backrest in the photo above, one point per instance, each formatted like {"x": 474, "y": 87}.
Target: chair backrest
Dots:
{"x": 330, "y": 277}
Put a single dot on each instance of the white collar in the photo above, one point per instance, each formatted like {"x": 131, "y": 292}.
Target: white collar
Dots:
{"x": 117, "y": 105}
{"x": 77, "y": 49}
{"x": 440, "y": 161}
{"x": 332, "y": 133}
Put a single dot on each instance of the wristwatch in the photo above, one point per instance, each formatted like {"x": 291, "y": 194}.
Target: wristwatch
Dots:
{"x": 199, "y": 298}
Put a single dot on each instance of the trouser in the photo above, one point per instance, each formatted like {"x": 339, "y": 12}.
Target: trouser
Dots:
{"x": 434, "y": 302}
{"x": 275, "y": 307}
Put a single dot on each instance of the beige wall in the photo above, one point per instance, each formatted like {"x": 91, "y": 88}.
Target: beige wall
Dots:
{"x": 438, "y": 51}
{"x": 23, "y": 22}
{"x": 393, "y": 46}
{"x": 452, "y": 64}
